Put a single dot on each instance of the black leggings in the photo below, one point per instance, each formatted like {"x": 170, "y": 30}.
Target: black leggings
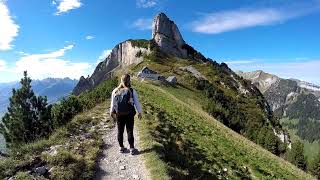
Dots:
{"x": 128, "y": 122}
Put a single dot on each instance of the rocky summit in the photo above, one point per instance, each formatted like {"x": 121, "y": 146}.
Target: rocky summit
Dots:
{"x": 165, "y": 36}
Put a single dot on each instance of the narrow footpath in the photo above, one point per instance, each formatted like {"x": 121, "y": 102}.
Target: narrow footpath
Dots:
{"x": 113, "y": 165}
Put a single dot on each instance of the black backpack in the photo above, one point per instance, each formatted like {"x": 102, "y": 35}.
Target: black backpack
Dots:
{"x": 124, "y": 102}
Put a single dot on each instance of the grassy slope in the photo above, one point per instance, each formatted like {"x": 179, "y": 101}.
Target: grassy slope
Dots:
{"x": 183, "y": 142}
{"x": 77, "y": 156}
{"x": 186, "y": 142}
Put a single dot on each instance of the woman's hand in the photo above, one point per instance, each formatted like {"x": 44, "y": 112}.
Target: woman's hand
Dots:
{"x": 113, "y": 115}
{"x": 140, "y": 116}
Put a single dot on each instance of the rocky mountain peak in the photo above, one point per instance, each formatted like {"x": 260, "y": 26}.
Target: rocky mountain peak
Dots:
{"x": 260, "y": 79}
{"x": 167, "y": 35}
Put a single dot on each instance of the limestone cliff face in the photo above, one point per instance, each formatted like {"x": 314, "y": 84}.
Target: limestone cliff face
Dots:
{"x": 122, "y": 55}
{"x": 167, "y": 35}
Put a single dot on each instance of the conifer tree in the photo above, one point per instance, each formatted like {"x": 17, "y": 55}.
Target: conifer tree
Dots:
{"x": 28, "y": 116}
{"x": 315, "y": 166}
{"x": 296, "y": 156}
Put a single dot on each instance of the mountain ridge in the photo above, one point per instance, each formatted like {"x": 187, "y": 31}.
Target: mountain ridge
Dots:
{"x": 53, "y": 88}
{"x": 293, "y": 99}
{"x": 167, "y": 45}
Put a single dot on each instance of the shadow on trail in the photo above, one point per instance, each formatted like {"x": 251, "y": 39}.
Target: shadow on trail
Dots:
{"x": 146, "y": 151}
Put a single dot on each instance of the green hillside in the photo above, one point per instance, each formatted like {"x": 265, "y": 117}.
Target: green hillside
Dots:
{"x": 225, "y": 96}
{"x": 184, "y": 139}
{"x": 186, "y": 142}
{"x": 181, "y": 140}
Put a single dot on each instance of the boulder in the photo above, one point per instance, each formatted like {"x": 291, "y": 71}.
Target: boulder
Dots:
{"x": 54, "y": 150}
{"x": 41, "y": 170}
{"x": 172, "y": 80}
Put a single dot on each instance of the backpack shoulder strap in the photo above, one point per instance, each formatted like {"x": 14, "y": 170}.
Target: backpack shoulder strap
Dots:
{"x": 131, "y": 92}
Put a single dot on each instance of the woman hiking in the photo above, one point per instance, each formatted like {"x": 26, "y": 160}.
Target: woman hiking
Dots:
{"x": 124, "y": 101}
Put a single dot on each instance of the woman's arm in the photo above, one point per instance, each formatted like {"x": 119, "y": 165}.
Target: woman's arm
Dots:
{"x": 112, "y": 102}
{"x": 136, "y": 102}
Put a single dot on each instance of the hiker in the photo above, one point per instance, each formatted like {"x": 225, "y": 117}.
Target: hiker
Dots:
{"x": 124, "y": 100}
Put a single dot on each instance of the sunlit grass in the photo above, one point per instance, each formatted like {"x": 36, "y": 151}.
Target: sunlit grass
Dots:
{"x": 178, "y": 130}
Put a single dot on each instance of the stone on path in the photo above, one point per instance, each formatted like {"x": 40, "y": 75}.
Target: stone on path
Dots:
{"x": 119, "y": 166}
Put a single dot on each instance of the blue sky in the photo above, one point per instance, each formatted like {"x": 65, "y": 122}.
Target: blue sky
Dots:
{"x": 66, "y": 38}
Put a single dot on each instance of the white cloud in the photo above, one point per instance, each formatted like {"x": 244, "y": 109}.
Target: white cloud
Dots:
{"x": 142, "y": 23}
{"x": 218, "y": 22}
{"x": 2, "y": 65}
{"x": 9, "y": 29}
{"x": 66, "y": 5}
{"x": 105, "y": 53}
{"x": 239, "y": 62}
{"x": 22, "y": 53}
{"x": 89, "y": 37}
{"x": 303, "y": 70}
{"x": 51, "y": 64}
{"x": 146, "y": 3}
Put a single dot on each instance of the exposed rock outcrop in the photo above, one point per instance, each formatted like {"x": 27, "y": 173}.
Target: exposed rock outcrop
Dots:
{"x": 167, "y": 35}
{"x": 122, "y": 55}
{"x": 193, "y": 71}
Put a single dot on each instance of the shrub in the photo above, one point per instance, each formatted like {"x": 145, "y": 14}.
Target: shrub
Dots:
{"x": 141, "y": 43}
{"x": 64, "y": 111}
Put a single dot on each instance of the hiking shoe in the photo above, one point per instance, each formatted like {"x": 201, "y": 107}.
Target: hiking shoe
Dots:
{"x": 122, "y": 150}
{"x": 133, "y": 151}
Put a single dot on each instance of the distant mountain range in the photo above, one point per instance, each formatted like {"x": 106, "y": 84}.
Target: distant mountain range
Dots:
{"x": 53, "y": 88}
{"x": 291, "y": 98}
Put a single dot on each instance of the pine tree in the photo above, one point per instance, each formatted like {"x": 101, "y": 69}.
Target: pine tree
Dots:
{"x": 315, "y": 166}
{"x": 296, "y": 156}
{"x": 28, "y": 116}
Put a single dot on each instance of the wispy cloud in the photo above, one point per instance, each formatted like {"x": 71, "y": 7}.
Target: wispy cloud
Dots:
{"x": 218, "y": 22}
{"x": 142, "y": 23}
{"x": 146, "y": 3}
{"x": 9, "y": 29}
{"x": 303, "y": 70}
{"x": 51, "y": 64}
{"x": 2, "y": 65}
{"x": 64, "y": 6}
{"x": 22, "y": 53}
{"x": 89, "y": 37}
